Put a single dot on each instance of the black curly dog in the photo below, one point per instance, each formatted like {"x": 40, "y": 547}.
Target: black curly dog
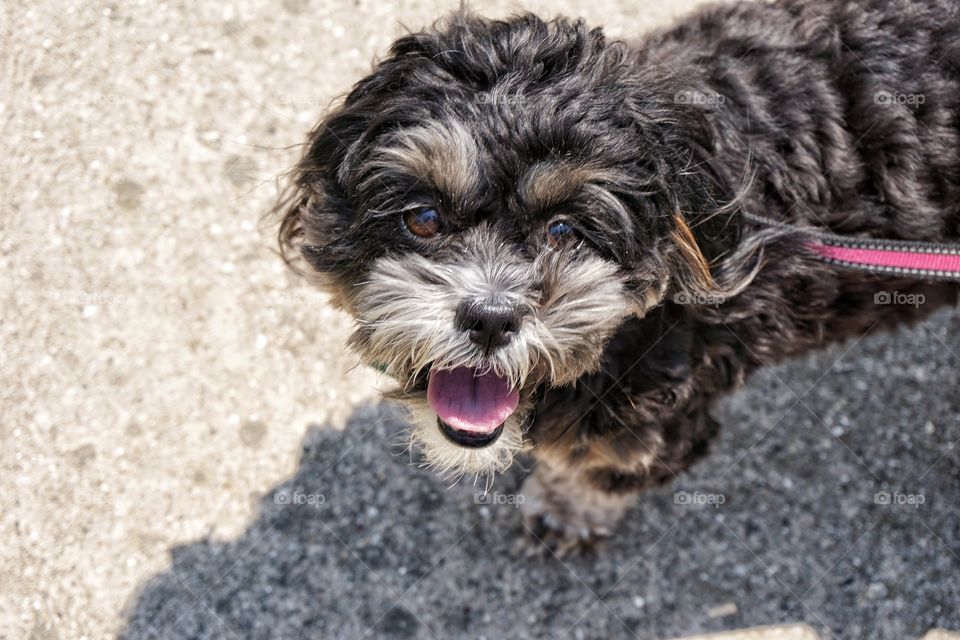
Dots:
{"x": 552, "y": 241}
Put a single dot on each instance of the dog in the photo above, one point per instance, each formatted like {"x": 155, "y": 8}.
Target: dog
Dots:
{"x": 568, "y": 246}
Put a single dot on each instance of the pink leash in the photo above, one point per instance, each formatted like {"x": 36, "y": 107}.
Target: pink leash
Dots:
{"x": 908, "y": 258}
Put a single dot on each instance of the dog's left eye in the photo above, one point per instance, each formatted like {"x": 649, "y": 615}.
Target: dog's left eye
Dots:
{"x": 560, "y": 233}
{"x": 423, "y": 223}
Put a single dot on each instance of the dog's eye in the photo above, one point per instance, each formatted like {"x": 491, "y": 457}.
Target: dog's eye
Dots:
{"x": 424, "y": 223}
{"x": 560, "y": 233}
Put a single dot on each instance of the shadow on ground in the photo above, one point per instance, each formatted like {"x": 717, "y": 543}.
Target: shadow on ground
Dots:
{"x": 360, "y": 543}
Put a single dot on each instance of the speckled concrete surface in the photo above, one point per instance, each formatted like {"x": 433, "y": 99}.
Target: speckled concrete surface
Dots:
{"x": 162, "y": 371}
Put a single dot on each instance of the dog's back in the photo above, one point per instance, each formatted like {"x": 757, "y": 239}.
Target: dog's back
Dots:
{"x": 844, "y": 115}
{"x": 835, "y": 116}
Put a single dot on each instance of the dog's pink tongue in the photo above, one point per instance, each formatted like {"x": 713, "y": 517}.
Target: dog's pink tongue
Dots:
{"x": 471, "y": 402}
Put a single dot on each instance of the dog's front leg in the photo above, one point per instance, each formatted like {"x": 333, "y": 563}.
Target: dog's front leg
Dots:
{"x": 578, "y": 493}
{"x": 564, "y": 511}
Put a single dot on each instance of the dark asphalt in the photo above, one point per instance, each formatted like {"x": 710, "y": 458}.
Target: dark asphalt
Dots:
{"x": 360, "y": 543}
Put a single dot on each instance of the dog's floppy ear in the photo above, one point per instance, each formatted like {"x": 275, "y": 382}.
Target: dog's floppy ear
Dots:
{"x": 316, "y": 204}
{"x": 699, "y": 257}
{"x": 678, "y": 271}
{"x": 315, "y": 199}
{"x": 697, "y": 280}
{"x": 315, "y": 210}
{"x": 683, "y": 187}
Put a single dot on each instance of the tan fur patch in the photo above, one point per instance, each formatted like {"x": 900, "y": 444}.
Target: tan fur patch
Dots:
{"x": 442, "y": 154}
{"x": 548, "y": 184}
{"x": 694, "y": 264}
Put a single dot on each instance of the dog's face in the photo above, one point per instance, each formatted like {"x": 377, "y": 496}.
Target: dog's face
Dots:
{"x": 490, "y": 204}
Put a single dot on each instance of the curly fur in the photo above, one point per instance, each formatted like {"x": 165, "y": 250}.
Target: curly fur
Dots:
{"x": 830, "y": 115}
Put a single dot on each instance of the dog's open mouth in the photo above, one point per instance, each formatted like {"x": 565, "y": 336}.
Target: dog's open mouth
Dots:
{"x": 471, "y": 406}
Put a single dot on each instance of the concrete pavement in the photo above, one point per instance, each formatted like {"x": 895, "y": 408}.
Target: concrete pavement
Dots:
{"x": 167, "y": 381}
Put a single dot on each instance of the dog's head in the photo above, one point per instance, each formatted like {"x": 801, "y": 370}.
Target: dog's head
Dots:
{"x": 490, "y": 204}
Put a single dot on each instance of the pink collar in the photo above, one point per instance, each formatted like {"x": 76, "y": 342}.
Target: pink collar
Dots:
{"x": 907, "y": 258}
{"x": 918, "y": 259}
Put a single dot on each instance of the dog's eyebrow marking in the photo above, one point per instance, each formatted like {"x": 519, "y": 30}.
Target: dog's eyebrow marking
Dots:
{"x": 441, "y": 154}
{"x": 548, "y": 184}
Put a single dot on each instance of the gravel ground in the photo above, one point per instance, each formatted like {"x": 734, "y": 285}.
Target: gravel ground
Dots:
{"x": 361, "y": 543}
{"x": 187, "y": 451}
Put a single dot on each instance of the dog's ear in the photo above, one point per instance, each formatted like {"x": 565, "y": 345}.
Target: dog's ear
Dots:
{"x": 315, "y": 202}
{"x": 315, "y": 210}
{"x": 690, "y": 195}
{"x": 677, "y": 271}
{"x": 316, "y": 206}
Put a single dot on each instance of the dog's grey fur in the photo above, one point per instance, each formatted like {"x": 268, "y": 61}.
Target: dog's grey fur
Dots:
{"x": 652, "y": 151}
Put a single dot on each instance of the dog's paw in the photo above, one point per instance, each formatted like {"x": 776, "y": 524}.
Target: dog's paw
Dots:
{"x": 562, "y": 517}
{"x": 548, "y": 535}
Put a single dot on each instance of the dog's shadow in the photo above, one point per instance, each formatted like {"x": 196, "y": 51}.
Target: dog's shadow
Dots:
{"x": 787, "y": 526}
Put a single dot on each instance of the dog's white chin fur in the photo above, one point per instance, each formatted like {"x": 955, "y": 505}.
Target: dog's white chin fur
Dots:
{"x": 451, "y": 460}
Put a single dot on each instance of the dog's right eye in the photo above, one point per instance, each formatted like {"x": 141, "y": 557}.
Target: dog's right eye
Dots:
{"x": 559, "y": 234}
{"x": 423, "y": 223}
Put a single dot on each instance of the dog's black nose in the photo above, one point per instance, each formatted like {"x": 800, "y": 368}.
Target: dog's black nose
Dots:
{"x": 491, "y": 323}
